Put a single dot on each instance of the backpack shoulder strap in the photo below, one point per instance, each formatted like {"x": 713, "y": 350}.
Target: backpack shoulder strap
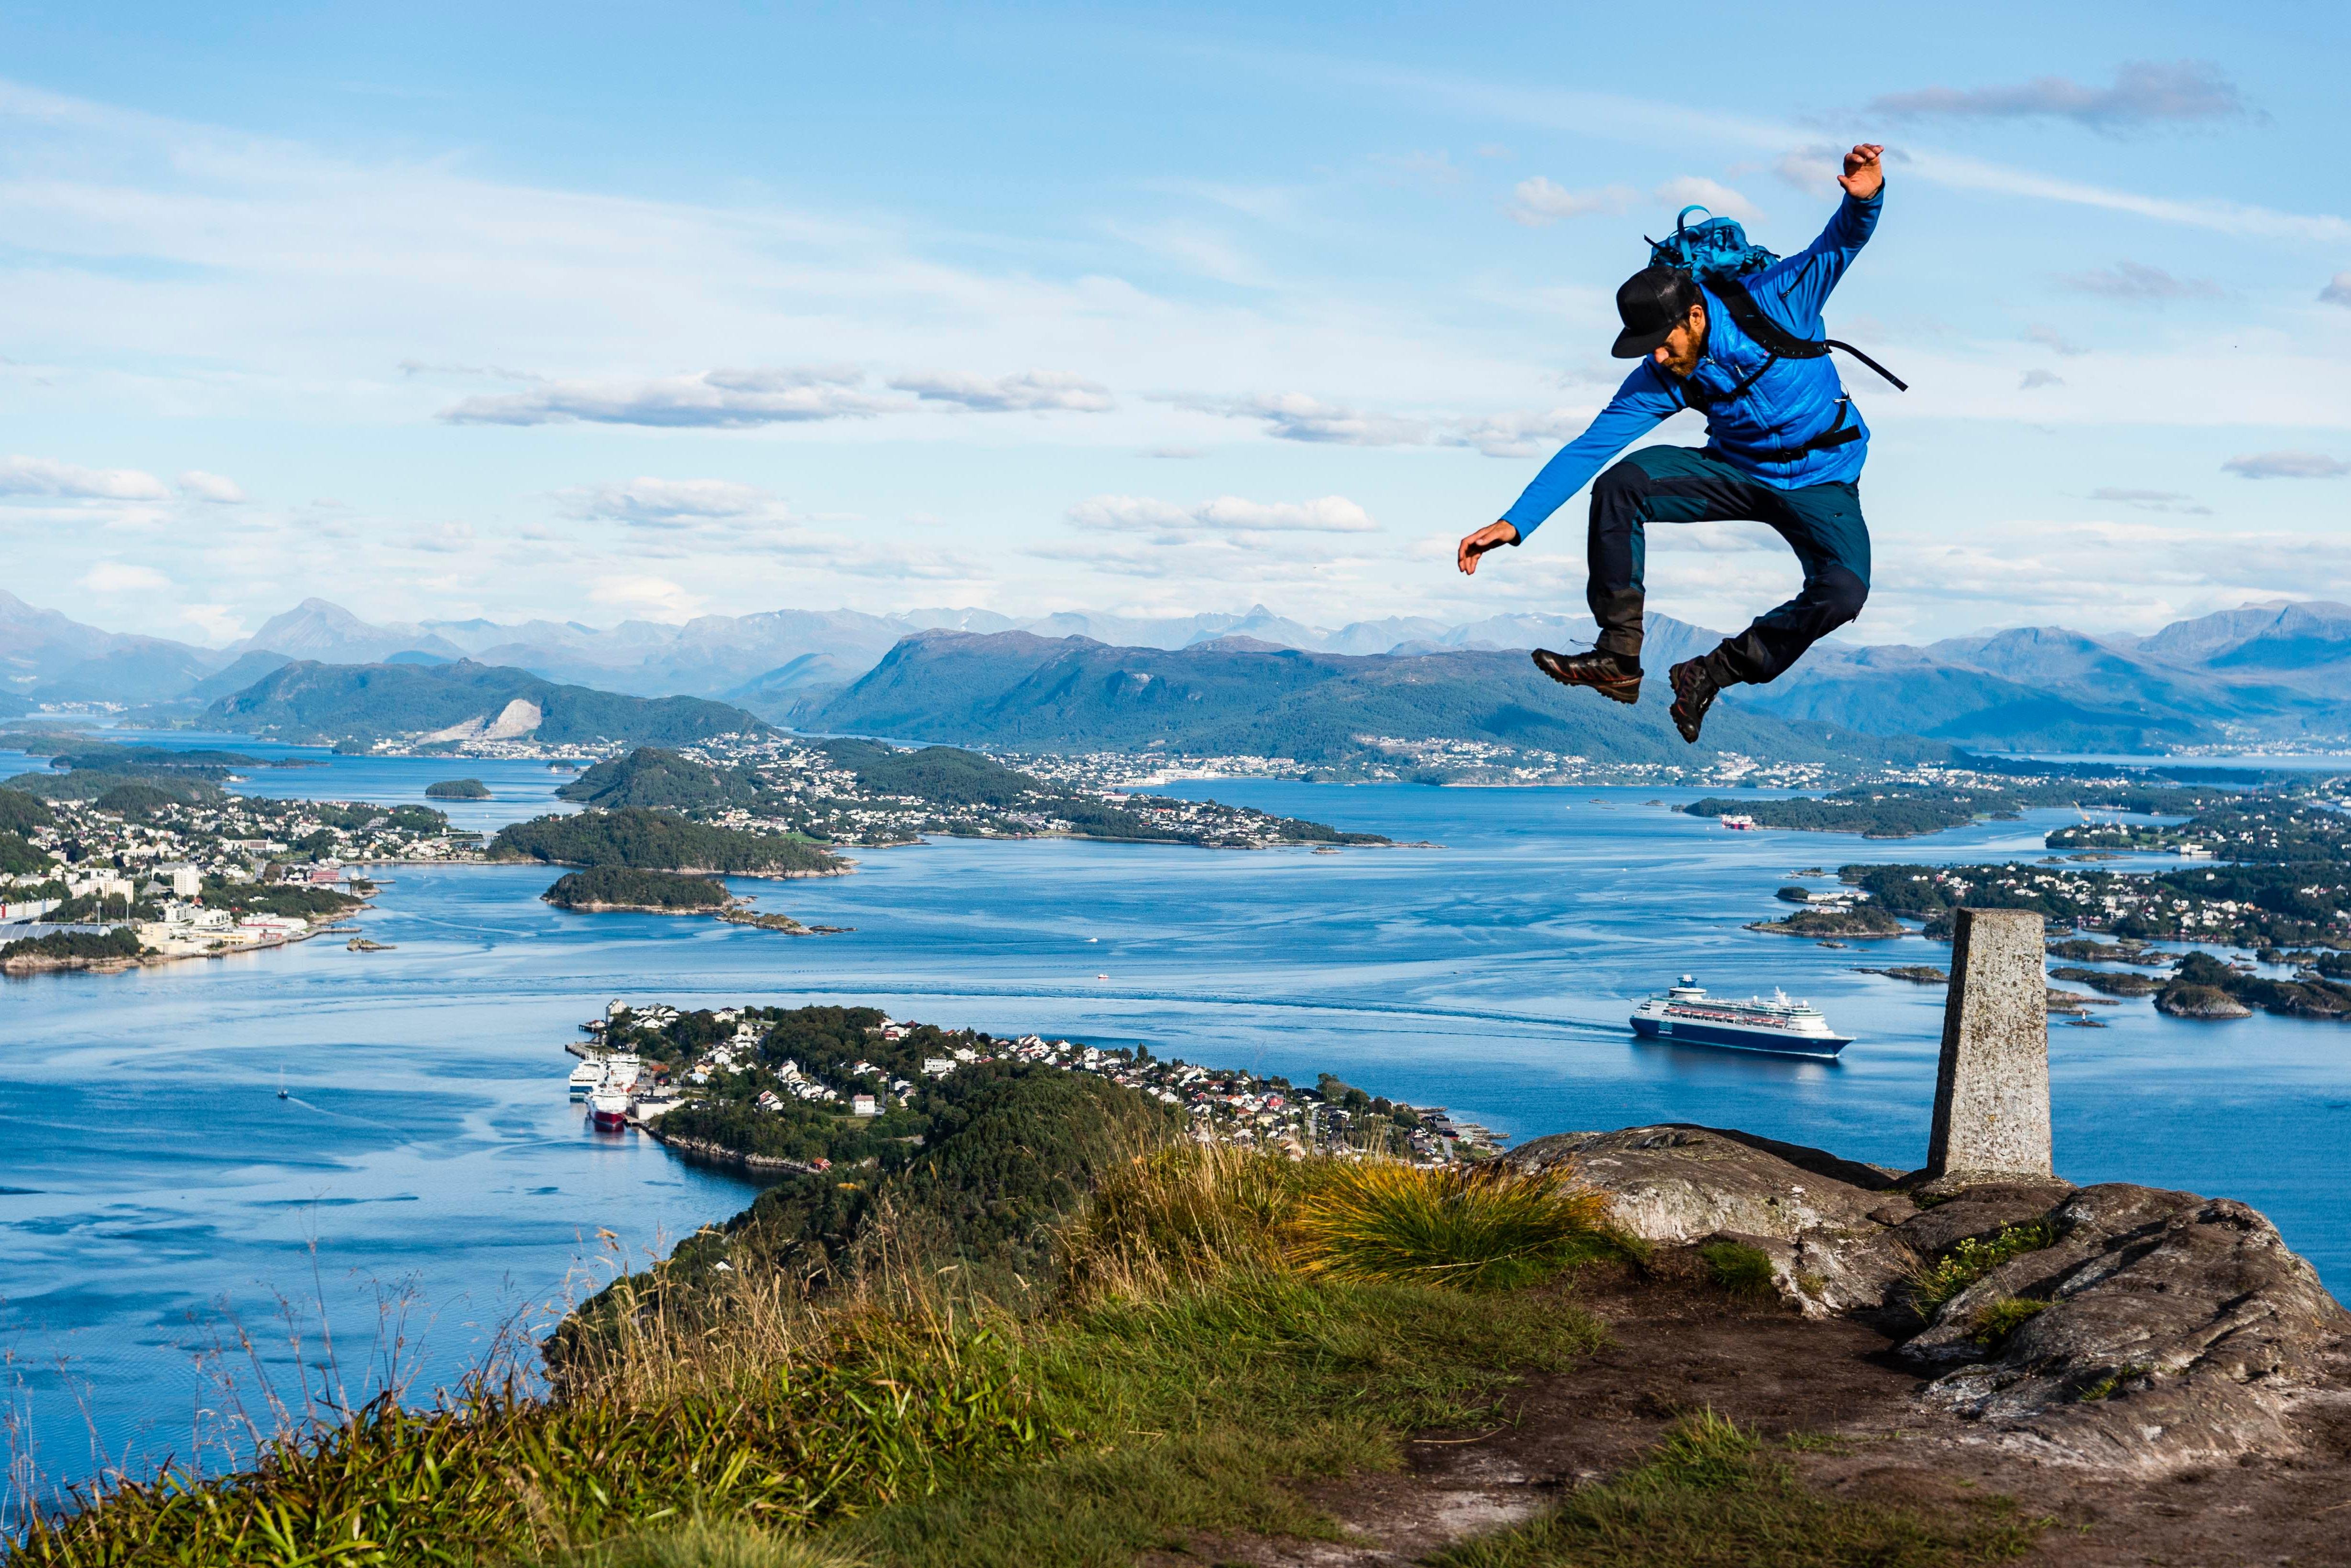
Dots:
{"x": 1753, "y": 321}
{"x": 1777, "y": 340}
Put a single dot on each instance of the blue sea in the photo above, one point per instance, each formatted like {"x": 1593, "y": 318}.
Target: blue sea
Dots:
{"x": 168, "y": 1224}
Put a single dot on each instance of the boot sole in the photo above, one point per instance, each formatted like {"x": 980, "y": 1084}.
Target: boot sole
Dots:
{"x": 1615, "y": 690}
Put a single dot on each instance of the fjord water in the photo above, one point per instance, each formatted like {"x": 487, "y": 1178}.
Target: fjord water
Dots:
{"x": 158, "y": 1188}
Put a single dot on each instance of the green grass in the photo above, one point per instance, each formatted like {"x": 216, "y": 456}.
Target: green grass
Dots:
{"x": 1995, "y": 1320}
{"x": 878, "y": 1412}
{"x": 1971, "y": 1260}
{"x": 1713, "y": 1495}
{"x": 1193, "y": 1412}
{"x": 1067, "y": 1439}
{"x": 1742, "y": 1270}
{"x": 706, "y": 1543}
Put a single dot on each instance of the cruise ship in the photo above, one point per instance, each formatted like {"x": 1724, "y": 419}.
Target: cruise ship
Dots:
{"x": 1686, "y": 1015}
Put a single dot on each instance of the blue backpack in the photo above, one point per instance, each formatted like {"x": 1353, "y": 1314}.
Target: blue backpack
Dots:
{"x": 1715, "y": 248}
{"x": 1718, "y": 254}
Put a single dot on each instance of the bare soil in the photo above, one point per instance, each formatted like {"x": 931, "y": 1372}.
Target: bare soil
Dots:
{"x": 1682, "y": 1345}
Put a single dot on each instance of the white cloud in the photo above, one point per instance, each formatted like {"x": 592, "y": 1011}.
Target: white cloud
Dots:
{"x": 1619, "y": 117}
{"x": 1229, "y": 514}
{"x": 1195, "y": 249}
{"x": 2144, "y": 93}
{"x": 2153, "y": 500}
{"x": 1294, "y": 417}
{"x": 1520, "y": 435}
{"x": 443, "y": 539}
{"x": 1538, "y": 201}
{"x": 216, "y": 623}
{"x": 41, "y": 476}
{"x": 670, "y": 503}
{"x": 1712, "y": 194}
{"x": 1029, "y": 389}
{"x": 641, "y": 594}
{"x": 203, "y": 486}
{"x": 1812, "y": 167}
{"x": 2050, "y": 338}
{"x": 2140, "y": 284}
{"x": 724, "y": 400}
{"x": 122, "y": 576}
{"x": 2032, "y": 381}
{"x": 2286, "y": 465}
{"x": 2338, "y": 291}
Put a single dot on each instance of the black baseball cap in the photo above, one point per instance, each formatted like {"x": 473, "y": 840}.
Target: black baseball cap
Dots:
{"x": 1652, "y": 303}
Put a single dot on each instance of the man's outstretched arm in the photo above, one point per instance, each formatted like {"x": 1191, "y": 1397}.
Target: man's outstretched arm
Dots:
{"x": 1801, "y": 283}
{"x": 1635, "y": 409}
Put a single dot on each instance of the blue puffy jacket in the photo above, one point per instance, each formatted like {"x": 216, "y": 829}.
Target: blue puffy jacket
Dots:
{"x": 1792, "y": 402}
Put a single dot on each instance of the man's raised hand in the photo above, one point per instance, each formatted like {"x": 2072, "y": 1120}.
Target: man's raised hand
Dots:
{"x": 1863, "y": 178}
{"x": 1493, "y": 536}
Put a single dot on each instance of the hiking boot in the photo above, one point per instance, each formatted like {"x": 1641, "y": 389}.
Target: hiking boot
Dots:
{"x": 1694, "y": 692}
{"x": 1616, "y": 678}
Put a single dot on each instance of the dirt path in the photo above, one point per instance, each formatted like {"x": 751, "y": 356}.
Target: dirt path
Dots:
{"x": 1684, "y": 1347}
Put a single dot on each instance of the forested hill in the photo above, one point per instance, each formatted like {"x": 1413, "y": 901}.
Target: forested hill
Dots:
{"x": 357, "y": 705}
{"x": 1234, "y": 698}
{"x": 660, "y": 841}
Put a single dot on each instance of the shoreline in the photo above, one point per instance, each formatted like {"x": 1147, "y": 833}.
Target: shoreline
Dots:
{"x": 703, "y": 1150}
{"x": 151, "y": 959}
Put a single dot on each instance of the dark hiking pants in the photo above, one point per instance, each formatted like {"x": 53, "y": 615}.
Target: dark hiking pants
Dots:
{"x": 1822, "y": 523}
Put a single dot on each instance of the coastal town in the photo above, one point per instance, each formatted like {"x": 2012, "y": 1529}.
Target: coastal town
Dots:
{"x": 745, "y": 1084}
{"x": 133, "y": 877}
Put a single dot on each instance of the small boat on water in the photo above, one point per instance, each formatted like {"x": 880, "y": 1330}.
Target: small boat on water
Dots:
{"x": 1686, "y": 1015}
{"x": 609, "y": 1109}
{"x": 586, "y": 1078}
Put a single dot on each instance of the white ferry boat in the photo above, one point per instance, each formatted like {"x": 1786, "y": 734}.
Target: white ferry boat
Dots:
{"x": 1686, "y": 1015}
{"x": 609, "y": 1108}
{"x": 586, "y": 1078}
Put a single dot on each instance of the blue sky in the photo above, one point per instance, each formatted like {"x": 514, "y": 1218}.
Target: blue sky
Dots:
{"x": 597, "y": 312}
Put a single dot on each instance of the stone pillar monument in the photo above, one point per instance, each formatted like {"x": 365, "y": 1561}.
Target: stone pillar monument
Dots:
{"x": 1992, "y": 1094}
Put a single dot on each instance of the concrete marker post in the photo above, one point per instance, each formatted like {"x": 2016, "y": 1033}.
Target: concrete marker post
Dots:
{"x": 1992, "y": 1091}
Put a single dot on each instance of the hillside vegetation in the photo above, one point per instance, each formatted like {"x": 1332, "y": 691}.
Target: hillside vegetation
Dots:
{"x": 658, "y": 841}
{"x": 663, "y": 780}
{"x": 1909, "y": 811}
{"x": 358, "y": 704}
{"x": 619, "y": 887}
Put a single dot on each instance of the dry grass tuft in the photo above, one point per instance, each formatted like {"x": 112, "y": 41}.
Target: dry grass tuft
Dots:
{"x": 1190, "y": 1212}
{"x": 1480, "y": 1227}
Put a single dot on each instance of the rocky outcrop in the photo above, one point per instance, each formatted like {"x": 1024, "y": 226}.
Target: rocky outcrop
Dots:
{"x": 2180, "y": 1330}
{"x": 1808, "y": 1210}
{"x": 2115, "y": 1325}
{"x": 2199, "y": 1002}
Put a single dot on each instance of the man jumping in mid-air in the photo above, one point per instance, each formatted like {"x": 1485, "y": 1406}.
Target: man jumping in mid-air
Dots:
{"x": 1784, "y": 446}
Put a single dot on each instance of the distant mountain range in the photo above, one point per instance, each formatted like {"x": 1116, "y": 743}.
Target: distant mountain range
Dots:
{"x": 1240, "y": 696}
{"x": 2261, "y": 672}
